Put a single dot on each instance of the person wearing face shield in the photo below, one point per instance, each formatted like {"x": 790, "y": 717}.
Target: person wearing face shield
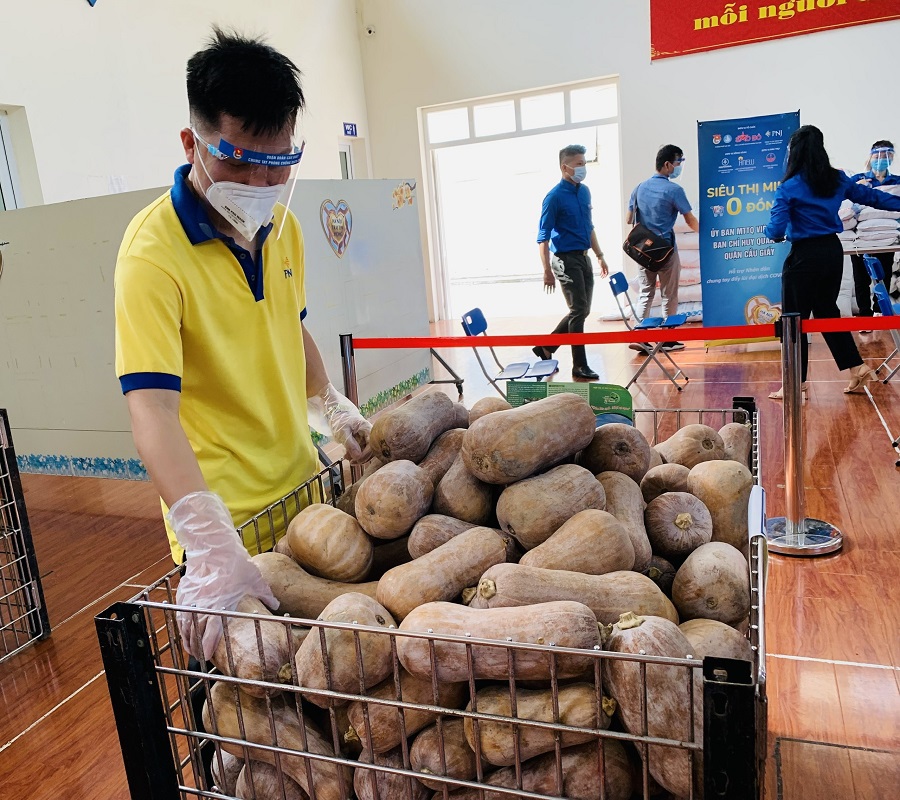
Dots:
{"x": 565, "y": 233}
{"x": 877, "y": 173}
{"x": 221, "y": 377}
{"x": 656, "y": 203}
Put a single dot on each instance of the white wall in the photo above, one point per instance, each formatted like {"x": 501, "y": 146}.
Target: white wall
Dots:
{"x": 103, "y": 87}
{"x": 433, "y": 51}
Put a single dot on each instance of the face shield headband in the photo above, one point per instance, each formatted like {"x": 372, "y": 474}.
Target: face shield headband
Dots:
{"x": 248, "y": 207}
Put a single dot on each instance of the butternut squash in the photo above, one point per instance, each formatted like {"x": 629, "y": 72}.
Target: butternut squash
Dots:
{"x": 442, "y": 454}
{"x": 300, "y": 594}
{"x": 713, "y": 583}
{"x": 487, "y": 405}
{"x": 389, "y": 554}
{"x": 593, "y": 542}
{"x": 256, "y": 727}
{"x": 578, "y": 707}
{"x": 448, "y": 737}
{"x": 347, "y": 501}
{"x": 692, "y": 445}
{"x": 724, "y": 486}
{"x": 709, "y": 637}
{"x": 620, "y": 448}
{"x": 461, "y": 495}
{"x": 566, "y": 624}
{"x": 331, "y": 544}
{"x": 662, "y": 573}
{"x": 380, "y": 724}
{"x": 373, "y": 784}
{"x": 656, "y": 459}
{"x": 677, "y": 524}
{"x": 225, "y": 772}
{"x": 738, "y": 441}
{"x": 406, "y": 432}
{"x": 441, "y": 574}
{"x": 433, "y": 530}
{"x": 662, "y": 479}
{"x": 390, "y": 501}
{"x": 260, "y": 781}
{"x": 462, "y": 415}
{"x": 626, "y": 503}
{"x": 514, "y": 444}
{"x": 340, "y": 670}
{"x": 608, "y": 596}
{"x": 532, "y": 509}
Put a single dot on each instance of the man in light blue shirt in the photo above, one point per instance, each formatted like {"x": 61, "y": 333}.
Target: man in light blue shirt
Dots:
{"x": 656, "y": 203}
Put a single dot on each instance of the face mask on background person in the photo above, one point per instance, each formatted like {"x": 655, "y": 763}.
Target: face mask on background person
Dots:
{"x": 880, "y": 164}
{"x": 676, "y": 172}
{"x": 579, "y": 174}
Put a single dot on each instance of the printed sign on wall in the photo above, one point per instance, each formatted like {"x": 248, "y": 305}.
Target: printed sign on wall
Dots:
{"x": 691, "y": 26}
{"x": 337, "y": 223}
{"x": 741, "y": 165}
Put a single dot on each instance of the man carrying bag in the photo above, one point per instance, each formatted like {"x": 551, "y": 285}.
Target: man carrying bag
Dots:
{"x": 653, "y": 208}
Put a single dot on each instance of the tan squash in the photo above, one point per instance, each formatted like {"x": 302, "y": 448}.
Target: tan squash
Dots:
{"x": 344, "y": 672}
{"x": 389, "y": 554}
{"x": 692, "y": 445}
{"x": 738, "y": 442}
{"x": 254, "y": 725}
{"x": 461, "y": 495}
{"x": 724, "y": 486}
{"x": 518, "y": 443}
{"x": 668, "y": 696}
{"x": 225, "y": 769}
{"x": 578, "y": 707}
{"x": 390, "y": 501}
{"x": 238, "y": 651}
{"x": 608, "y": 596}
{"x": 433, "y": 530}
{"x": 708, "y": 637}
{"x": 617, "y": 447}
{"x": 372, "y": 784}
{"x": 656, "y": 460}
{"x": 713, "y": 583}
{"x": 442, "y": 454}
{"x": 532, "y": 509}
{"x": 282, "y": 547}
{"x": 441, "y": 574}
{"x": 662, "y": 479}
{"x": 260, "y": 781}
{"x": 626, "y": 503}
{"x": 381, "y": 724}
{"x": 592, "y": 541}
{"x": 447, "y": 737}
{"x": 331, "y": 544}
{"x": 567, "y": 624}
{"x": 677, "y": 523}
{"x": 581, "y": 775}
{"x": 662, "y": 573}
{"x": 487, "y": 405}
{"x": 462, "y": 415}
{"x": 407, "y": 431}
{"x": 347, "y": 501}
{"x": 300, "y": 594}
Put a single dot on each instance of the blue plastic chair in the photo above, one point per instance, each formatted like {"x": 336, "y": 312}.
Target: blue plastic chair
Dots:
{"x": 474, "y": 324}
{"x": 619, "y": 285}
{"x": 887, "y": 309}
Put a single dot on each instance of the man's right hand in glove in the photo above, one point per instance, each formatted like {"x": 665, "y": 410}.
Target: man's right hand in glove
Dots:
{"x": 218, "y": 573}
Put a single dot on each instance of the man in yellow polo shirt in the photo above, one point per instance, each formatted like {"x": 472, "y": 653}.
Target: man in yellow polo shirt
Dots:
{"x": 221, "y": 377}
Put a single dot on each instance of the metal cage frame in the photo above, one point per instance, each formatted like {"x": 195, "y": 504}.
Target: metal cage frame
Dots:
{"x": 151, "y": 685}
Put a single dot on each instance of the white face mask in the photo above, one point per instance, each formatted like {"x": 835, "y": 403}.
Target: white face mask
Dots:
{"x": 246, "y": 208}
{"x": 579, "y": 174}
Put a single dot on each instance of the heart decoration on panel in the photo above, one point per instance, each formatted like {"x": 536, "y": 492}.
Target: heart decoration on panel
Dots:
{"x": 337, "y": 222}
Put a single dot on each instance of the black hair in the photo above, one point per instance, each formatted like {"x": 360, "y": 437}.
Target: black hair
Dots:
{"x": 668, "y": 152}
{"x": 883, "y": 143}
{"x": 571, "y": 150}
{"x": 808, "y": 159}
{"x": 246, "y": 79}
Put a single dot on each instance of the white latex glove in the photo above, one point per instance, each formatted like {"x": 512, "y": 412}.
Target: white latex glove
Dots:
{"x": 218, "y": 573}
{"x": 331, "y": 412}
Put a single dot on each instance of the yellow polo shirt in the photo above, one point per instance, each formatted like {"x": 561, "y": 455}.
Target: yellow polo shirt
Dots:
{"x": 195, "y": 314}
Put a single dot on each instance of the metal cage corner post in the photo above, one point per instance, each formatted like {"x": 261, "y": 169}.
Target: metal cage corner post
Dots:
{"x": 23, "y": 612}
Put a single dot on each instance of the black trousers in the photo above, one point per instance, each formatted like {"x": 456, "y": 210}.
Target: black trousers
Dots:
{"x": 576, "y": 280}
{"x": 862, "y": 283}
{"x": 810, "y": 284}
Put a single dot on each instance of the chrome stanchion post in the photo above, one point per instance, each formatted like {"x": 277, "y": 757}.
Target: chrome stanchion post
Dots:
{"x": 794, "y": 534}
{"x": 348, "y": 368}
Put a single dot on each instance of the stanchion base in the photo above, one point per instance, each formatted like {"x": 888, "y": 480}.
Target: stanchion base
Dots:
{"x": 818, "y": 538}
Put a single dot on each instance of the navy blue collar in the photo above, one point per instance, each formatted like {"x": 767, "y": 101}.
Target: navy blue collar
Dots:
{"x": 572, "y": 187}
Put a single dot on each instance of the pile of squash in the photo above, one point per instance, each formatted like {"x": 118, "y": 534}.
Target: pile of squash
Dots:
{"x": 525, "y": 525}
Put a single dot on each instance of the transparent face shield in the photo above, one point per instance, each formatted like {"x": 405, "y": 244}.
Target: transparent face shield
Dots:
{"x": 246, "y": 185}
{"x": 880, "y": 159}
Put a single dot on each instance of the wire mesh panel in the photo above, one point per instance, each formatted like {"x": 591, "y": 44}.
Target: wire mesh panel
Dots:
{"x": 535, "y": 701}
{"x": 23, "y": 617}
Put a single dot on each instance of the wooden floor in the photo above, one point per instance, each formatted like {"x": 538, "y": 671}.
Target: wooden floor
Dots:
{"x": 833, "y": 623}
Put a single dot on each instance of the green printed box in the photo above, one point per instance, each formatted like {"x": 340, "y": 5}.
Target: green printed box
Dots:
{"x": 605, "y": 398}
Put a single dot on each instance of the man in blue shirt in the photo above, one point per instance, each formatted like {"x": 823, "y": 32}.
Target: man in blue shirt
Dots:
{"x": 565, "y": 234}
{"x": 656, "y": 203}
{"x": 881, "y": 157}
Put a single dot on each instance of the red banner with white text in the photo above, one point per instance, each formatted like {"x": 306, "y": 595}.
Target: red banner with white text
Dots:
{"x": 691, "y": 26}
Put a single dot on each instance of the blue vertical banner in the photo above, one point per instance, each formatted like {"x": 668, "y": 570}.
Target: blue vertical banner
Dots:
{"x": 742, "y": 162}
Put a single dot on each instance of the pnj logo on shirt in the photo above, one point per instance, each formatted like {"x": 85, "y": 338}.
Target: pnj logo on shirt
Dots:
{"x": 288, "y": 272}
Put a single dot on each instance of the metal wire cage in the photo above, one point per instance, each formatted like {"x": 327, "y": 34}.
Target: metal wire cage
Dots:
{"x": 392, "y": 707}
{"x": 23, "y": 616}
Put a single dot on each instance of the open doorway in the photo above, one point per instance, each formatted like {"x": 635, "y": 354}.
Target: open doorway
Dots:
{"x": 490, "y": 164}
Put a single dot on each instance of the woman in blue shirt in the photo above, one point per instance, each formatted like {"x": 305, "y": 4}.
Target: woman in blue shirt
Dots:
{"x": 806, "y": 213}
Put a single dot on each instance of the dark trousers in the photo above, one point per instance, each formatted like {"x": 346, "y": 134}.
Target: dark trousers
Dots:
{"x": 576, "y": 280}
{"x": 862, "y": 283}
{"x": 810, "y": 284}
